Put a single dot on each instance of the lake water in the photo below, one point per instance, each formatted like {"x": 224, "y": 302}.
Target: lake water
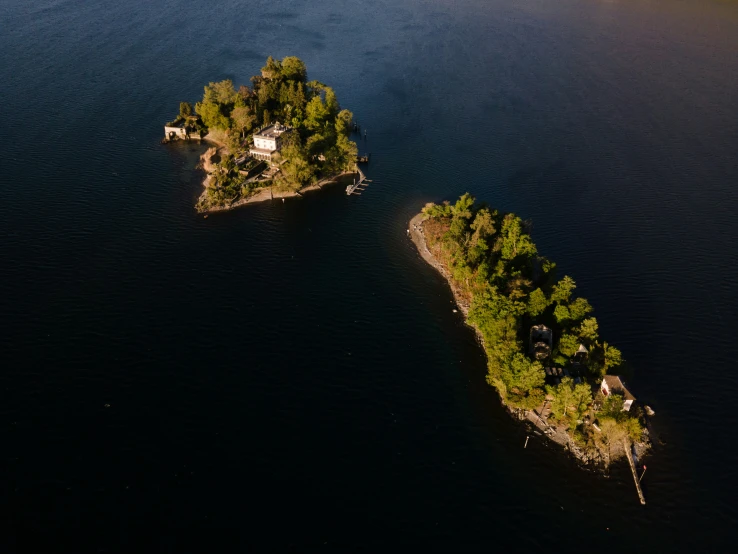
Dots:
{"x": 292, "y": 374}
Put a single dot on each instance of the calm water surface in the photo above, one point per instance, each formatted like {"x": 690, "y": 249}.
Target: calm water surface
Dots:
{"x": 292, "y": 375}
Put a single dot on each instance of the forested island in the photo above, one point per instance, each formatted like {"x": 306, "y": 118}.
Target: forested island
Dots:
{"x": 279, "y": 137}
{"x": 546, "y": 358}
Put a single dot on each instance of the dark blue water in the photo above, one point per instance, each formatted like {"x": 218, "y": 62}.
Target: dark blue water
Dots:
{"x": 292, "y": 375}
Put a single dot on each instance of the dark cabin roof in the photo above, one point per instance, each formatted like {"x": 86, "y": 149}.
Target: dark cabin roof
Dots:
{"x": 616, "y": 385}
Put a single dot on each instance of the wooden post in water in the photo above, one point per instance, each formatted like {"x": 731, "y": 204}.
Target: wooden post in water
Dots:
{"x": 637, "y": 481}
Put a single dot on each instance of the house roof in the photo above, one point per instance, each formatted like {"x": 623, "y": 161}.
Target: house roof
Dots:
{"x": 272, "y": 132}
{"x": 616, "y": 385}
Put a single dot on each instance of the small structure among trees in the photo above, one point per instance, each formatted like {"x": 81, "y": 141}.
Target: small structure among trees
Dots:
{"x": 541, "y": 341}
{"x": 515, "y": 298}
{"x": 296, "y": 124}
{"x": 613, "y": 385}
{"x": 185, "y": 126}
{"x": 268, "y": 141}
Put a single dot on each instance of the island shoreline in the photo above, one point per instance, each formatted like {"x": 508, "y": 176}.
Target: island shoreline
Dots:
{"x": 558, "y": 435}
{"x": 268, "y": 194}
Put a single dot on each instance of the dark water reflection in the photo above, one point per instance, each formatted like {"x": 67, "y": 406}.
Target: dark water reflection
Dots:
{"x": 292, "y": 374}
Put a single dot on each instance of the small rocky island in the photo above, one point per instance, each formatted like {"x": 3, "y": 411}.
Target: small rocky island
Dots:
{"x": 546, "y": 358}
{"x": 282, "y": 136}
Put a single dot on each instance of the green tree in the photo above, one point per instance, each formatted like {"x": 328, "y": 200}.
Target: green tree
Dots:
{"x": 633, "y": 428}
{"x": 272, "y": 69}
{"x": 437, "y": 210}
{"x": 243, "y": 119}
{"x": 347, "y": 151}
{"x": 463, "y": 207}
{"x": 588, "y": 329}
{"x": 293, "y": 69}
{"x": 537, "y": 302}
{"x": 562, "y": 315}
{"x": 212, "y": 116}
{"x": 610, "y": 433}
{"x": 483, "y": 226}
{"x": 578, "y": 309}
{"x": 612, "y": 356}
{"x": 295, "y": 171}
{"x": 514, "y": 242}
{"x": 316, "y": 114}
{"x": 331, "y": 103}
{"x": 221, "y": 92}
{"x": 569, "y": 399}
{"x": 343, "y": 123}
{"x": 568, "y": 345}
{"x": 185, "y": 109}
{"x": 563, "y": 289}
{"x": 521, "y": 374}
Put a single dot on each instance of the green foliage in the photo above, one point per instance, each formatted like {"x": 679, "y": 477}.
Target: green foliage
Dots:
{"x": 293, "y": 69}
{"x": 462, "y": 210}
{"x": 272, "y": 69}
{"x": 296, "y": 171}
{"x": 568, "y": 345}
{"x": 562, "y": 290}
{"x": 513, "y": 241}
{"x": 316, "y": 114}
{"x": 437, "y": 210}
{"x": 221, "y": 93}
{"x": 578, "y": 309}
{"x": 494, "y": 262}
{"x": 331, "y": 103}
{"x": 612, "y": 356}
{"x": 562, "y": 314}
{"x": 569, "y": 399}
{"x": 343, "y": 123}
{"x": 185, "y": 109}
{"x": 212, "y": 115}
{"x": 588, "y": 329}
{"x": 243, "y": 118}
{"x": 217, "y": 103}
{"x": 537, "y": 302}
{"x": 616, "y": 423}
{"x": 319, "y": 145}
{"x": 611, "y": 432}
{"x": 346, "y": 153}
{"x": 548, "y": 267}
{"x": 521, "y": 374}
{"x": 633, "y": 428}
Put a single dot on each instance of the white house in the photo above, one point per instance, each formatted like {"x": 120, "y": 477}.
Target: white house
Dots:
{"x": 612, "y": 384}
{"x": 268, "y": 141}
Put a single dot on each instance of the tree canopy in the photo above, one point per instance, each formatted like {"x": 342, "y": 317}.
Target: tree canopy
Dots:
{"x": 319, "y": 141}
{"x": 495, "y": 265}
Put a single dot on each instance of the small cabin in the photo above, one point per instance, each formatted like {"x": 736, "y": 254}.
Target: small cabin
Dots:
{"x": 612, "y": 384}
{"x": 541, "y": 341}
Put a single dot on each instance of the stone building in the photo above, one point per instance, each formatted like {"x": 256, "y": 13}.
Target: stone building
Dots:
{"x": 268, "y": 141}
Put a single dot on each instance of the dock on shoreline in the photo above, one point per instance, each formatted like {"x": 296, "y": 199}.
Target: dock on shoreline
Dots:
{"x": 351, "y": 189}
{"x": 629, "y": 455}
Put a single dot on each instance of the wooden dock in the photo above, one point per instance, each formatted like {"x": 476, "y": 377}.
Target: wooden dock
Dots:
{"x": 359, "y": 186}
{"x": 629, "y": 455}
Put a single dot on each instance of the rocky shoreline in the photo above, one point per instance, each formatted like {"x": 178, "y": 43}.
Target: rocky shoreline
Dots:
{"x": 268, "y": 193}
{"x": 556, "y": 434}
